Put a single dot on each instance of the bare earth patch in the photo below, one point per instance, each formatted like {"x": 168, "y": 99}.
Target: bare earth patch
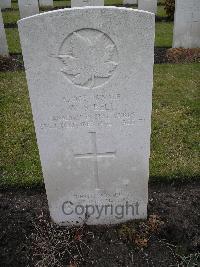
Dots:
{"x": 161, "y": 55}
{"x": 11, "y": 63}
{"x": 183, "y": 55}
{"x": 170, "y": 236}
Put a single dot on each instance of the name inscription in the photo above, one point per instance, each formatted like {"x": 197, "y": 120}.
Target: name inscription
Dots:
{"x": 91, "y": 111}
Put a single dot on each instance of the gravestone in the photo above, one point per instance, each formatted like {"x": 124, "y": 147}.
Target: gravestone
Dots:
{"x": 44, "y": 3}
{"x": 187, "y": 24}
{"x": 28, "y": 8}
{"x": 90, "y": 77}
{"x": 80, "y": 3}
{"x": 5, "y": 4}
{"x": 130, "y": 2}
{"x": 3, "y": 41}
{"x": 148, "y": 5}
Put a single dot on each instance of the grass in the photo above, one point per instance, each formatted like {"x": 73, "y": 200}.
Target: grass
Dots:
{"x": 164, "y": 34}
{"x": 11, "y": 16}
{"x": 164, "y": 31}
{"x": 113, "y": 2}
{"x": 176, "y": 111}
{"x": 61, "y": 3}
{"x": 161, "y": 11}
{"x": 65, "y": 3}
{"x": 13, "y": 40}
{"x": 174, "y": 144}
{"x": 14, "y": 4}
{"x": 19, "y": 151}
{"x": 162, "y": 2}
{"x": 55, "y": 3}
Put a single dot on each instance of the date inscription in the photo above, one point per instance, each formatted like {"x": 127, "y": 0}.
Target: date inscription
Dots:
{"x": 98, "y": 110}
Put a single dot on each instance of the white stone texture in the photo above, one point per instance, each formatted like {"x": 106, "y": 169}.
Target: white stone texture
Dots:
{"x": 3, "y": 41}
{"x": 130, "y": 2}
{"x": 44, "y": 3}
{"x": 28, "y": 8}
{"x": 90, "y": 78}
{"x": 81, "y": 3}
{"x": 187, "y": 24}
{"x": 5, "y": 4}
{"x": 148, "y": 5}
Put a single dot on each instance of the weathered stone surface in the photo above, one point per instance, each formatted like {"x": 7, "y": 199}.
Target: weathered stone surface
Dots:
{"x": 148, "y": 5}
{"x": 3, "y": 41}
{"x": 46, "y": 3}
{"x": 187, "y": 24}
{"x": 28, "y": 8}
{"x": 90, "y": 75}
{"x": 80, "y": 3}
{"x": 5, "y": 4}
{"x": 130, "y": 2}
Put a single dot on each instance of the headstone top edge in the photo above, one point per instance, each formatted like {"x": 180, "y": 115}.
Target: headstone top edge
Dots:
{"x": 71, "y": 10}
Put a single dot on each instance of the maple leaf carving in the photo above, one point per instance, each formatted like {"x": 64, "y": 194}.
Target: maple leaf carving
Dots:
{"x": 89, "y": 59}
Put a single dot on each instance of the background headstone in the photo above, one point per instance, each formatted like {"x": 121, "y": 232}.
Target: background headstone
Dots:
{"x": 44, "y": 3}
{"x": 3, "y": 41}
{"x": 148, "y": 5}
{"x": 80, "y": 3}
{"x": 130, "y": 2}
{"x": 91, "y": 100}
{"x": 187, "y": 24}
{"x": 5, "y": 4}
{"x": 28, "y": 8}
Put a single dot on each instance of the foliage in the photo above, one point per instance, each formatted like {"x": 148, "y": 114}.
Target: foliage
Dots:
{"x": 139, "y": 233}
{"x": 170, "y": 8}
{"x": 182, "y": 55}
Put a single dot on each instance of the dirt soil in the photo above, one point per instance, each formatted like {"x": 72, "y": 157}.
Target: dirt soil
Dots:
{"x": 29, "y": 238}
{"x": 161, "y": 55}
{"x": 11, "y": 63}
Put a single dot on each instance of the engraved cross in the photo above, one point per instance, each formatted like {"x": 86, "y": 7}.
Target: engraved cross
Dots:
{"x": 95, "y": 155}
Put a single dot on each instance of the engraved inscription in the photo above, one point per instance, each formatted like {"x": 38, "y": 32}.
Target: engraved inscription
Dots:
{"x": 98, "y": 110}
{"x": 102, "y": 195}
{"x": 95, "y": 155}
{"x": 89, "y": 57}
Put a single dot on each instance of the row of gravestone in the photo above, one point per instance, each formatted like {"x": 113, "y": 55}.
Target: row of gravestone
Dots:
{"x": 7, "y": 3}
{"x": 149, "y": 5}
{"x": 31, "y": 7}
{"x": 186, "y": 24}
{"x": 90, "y": 77}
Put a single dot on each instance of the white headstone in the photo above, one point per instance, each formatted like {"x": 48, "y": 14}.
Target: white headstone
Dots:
{"x": 5, "y": 4}
{"x": 187, "y": 24}
{"x": 130, "y": 2}
{"x": 90, "y": 77}
{"x": 28, "y": 8}
{"x": 46, "y": 3}
{"x": 80, "y": 3}
{"x": 3, "y": 41}
{"x": 148, "y": 5}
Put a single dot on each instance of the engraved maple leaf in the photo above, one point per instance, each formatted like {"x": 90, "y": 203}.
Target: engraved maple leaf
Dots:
{"x": 89, "y": 59}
